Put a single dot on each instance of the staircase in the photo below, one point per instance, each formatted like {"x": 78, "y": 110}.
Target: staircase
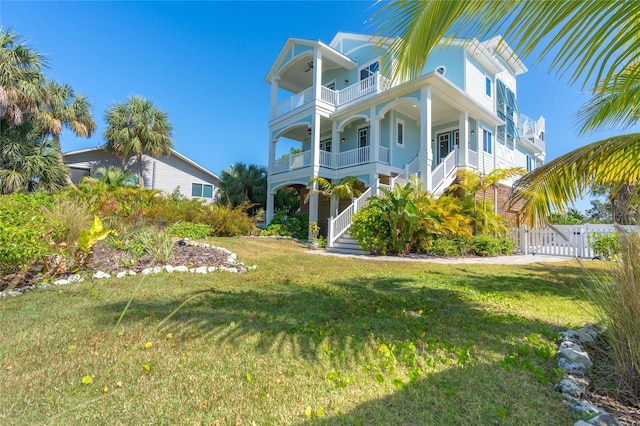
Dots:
{"x": 346, "y": 245}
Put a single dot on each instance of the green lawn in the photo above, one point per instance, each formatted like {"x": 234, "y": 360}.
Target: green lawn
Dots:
{"x": 304, "y": 339}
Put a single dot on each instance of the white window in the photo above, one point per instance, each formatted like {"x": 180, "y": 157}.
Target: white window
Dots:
{"x": 442, "y": 70}
{"x": 201, "y": 190}
{"x": 400, "y": 132}
{"x": 369, "y": 70}
{"x": 486, "y": 142}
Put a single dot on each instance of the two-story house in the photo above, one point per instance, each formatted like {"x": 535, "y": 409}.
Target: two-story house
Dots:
{"x": 345, "y": 118}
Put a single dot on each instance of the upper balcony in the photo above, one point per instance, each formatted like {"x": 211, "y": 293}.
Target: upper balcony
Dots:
{"x": 532, "y": 131}
{"x": 375, "y": 83}
{"x": 329, "y": 160}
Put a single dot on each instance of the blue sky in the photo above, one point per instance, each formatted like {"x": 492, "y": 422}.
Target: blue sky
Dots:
{"x": 204, "y": 63}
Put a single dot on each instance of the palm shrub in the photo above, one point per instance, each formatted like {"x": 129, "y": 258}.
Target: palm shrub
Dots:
{"x": 617, "y": 301}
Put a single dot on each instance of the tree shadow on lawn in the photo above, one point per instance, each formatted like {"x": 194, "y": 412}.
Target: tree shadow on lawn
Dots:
{"x": 343, "y": 315}
{"x": 540, "y": 279}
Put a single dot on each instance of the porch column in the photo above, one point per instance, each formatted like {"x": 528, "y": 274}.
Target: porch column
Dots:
{"x": 425, "y": 154}
{"x": 375, "y": 136}
{"x": 335, "y": 145}
{"x": 270, "y": 206}
{"x": 272, "y": 155}
{"x": 315, "y": 161}
{"x": 274, "y": 95}
{"x": 463, "y": 153}
{"x": 317, "y": 74}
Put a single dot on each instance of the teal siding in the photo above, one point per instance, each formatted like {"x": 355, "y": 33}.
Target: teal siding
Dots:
{"x": 406, "y": 154}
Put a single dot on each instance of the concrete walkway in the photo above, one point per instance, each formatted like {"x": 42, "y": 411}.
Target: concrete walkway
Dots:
{"x": 516, "y": 259}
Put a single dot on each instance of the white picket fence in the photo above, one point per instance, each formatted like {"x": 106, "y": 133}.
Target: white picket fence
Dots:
{"x": 562, "y": 240}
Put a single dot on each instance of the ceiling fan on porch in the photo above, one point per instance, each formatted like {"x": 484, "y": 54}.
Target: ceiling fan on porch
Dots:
{"x": 309, "y": 66}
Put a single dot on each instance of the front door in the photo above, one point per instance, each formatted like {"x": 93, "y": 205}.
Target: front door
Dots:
{"x": 363, "y": 141}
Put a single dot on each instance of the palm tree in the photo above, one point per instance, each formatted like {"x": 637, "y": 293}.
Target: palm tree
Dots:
{"x": 242, "y": 184}
{"x": 596, "y": 44}
{"x": 135, "y": 128}
{"x": 21, "y": 79}
{"x": 345, "y": 189}
{"x": 63, "y": 108}
{"x": 110, "y": 178}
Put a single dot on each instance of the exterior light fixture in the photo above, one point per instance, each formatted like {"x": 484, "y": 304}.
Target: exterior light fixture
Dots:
{"x": 309, "y": 130}
{"x": 343, "y": 140}
{"x": 346, "y": 82}
{"x": 473, "y": 132}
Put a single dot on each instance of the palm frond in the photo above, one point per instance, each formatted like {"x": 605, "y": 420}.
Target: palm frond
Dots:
{"x": 612, "y": 162}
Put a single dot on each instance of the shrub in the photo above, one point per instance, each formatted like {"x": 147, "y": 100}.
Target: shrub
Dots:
{"x": 370, "y": 229}
{"x": 227, "y": 221}
{"x": 450, "y": 247}
{"x": 193, "y": 231}
{"x": 23, "y": 230}
{"x": 285, "y": 225}
{"x": 605, "y": 246}
{"x": 157, "y": 243}
{"x": 67, "y": 219}
{"x": 485, "y": 245}
{"x": 507, "y": 245}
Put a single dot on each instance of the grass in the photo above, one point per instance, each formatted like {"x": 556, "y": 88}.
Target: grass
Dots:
{"x": 304, "y": 339}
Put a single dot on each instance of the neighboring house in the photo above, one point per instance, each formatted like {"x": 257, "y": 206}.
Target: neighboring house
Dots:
{"x": 163, "y": 173}
{"x": 332, "y": 102}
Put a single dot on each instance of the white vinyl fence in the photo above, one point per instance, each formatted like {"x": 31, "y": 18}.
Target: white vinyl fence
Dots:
{"x": 562, "y": 240}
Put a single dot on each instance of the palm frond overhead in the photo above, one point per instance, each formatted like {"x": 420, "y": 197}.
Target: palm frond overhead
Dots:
{"x": 612, "y": 162}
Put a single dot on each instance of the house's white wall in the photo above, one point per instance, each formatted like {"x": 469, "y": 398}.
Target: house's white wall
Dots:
{"x": 170, "y": 172}
{"x": 476, "y": 83}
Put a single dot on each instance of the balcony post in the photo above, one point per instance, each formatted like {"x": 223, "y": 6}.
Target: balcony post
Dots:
{"x": 374, "y": 153}
{"x": 274, "y": 96}
{"x": 464, "y": 139}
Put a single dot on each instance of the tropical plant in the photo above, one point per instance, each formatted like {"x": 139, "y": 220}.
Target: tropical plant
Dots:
{"x": 595, "y": 43}
{"x": 244, "y": 184}
{"x": 110, "y": 178}
{"x": 135, "y": 128}
{"x": 20, "y": 80}
{"x": 157, "y": 243}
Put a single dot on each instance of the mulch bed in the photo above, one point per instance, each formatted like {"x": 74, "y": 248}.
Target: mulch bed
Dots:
{"x": 112, "y": 261}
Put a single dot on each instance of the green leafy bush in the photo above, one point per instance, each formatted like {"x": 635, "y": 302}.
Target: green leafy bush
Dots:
{"x": 193, "y": 231}
{"x": 370, "y": 228}
{"x": 485, "y": 245}
{"x": 286, "y": 225}
{"x": 605, "y": 246}
{"x": 450, "y": 247}
{"x": 507, "y": 245}
{"x": 24, "y": 234}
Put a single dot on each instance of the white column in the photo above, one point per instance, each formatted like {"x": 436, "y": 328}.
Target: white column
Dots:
{"x": 315, "y": 158}
{"x": 274, "y": 95}
{"x": 317, "y": 73}
{"x": 375, "y": 136}
{"x": 425, "y": 155}
{"x": 463, "y": 153}
{"x": 270, "y": 206}
{"x": 272, "y": 155}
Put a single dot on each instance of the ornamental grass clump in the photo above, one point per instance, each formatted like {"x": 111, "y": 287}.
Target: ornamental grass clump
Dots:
{"x": 618, "y": 302}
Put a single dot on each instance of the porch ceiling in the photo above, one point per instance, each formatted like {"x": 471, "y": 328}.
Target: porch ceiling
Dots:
{"x": 298, "y": 76}
{"x": 442, "y": 110}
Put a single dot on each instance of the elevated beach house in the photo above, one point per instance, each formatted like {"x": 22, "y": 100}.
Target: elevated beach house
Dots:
{"x": 343, "y": 117}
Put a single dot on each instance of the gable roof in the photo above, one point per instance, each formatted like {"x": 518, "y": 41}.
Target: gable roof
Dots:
{"x": 173, "y": 153}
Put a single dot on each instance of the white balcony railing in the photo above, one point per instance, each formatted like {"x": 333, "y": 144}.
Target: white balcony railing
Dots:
{"x": 372, "y": 84}
{"x": 296, "y": 101}
{"x": 331, "y": 160}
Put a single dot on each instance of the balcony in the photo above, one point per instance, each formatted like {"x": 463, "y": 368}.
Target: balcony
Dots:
{"x": 374, "y": 84}
{"x": 329, "y": 160}
{"x": 532, "y": 131}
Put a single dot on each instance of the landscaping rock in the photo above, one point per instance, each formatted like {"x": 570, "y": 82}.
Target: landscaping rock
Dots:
{"x": 574, "y": 355}
{"x": 569, "y": 386}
